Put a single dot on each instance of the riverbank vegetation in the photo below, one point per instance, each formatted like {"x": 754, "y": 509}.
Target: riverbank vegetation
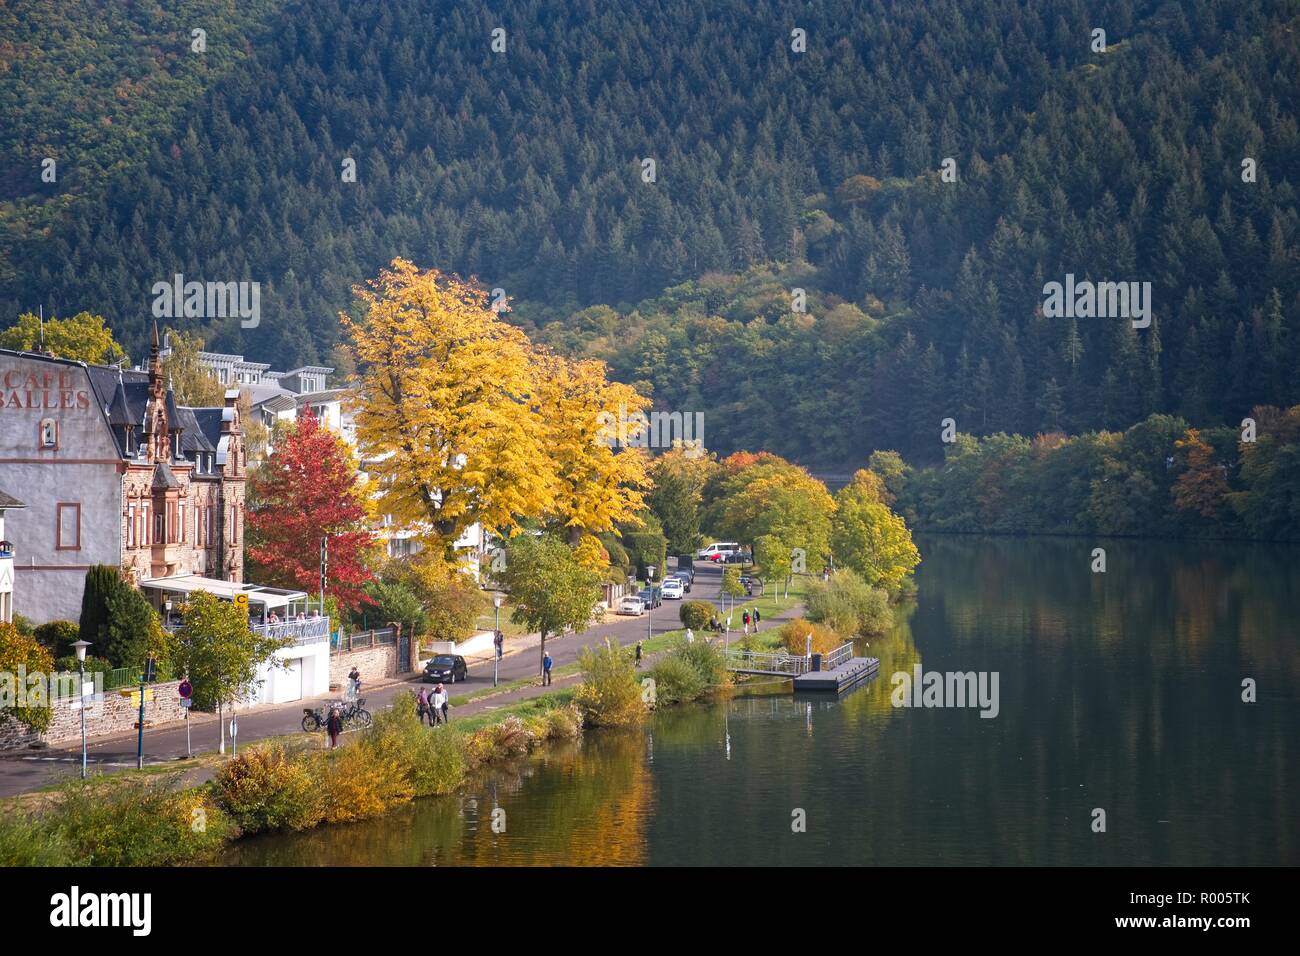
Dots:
{"x": 1159, "y": 478}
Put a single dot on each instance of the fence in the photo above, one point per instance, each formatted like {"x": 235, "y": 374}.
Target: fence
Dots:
{"x": 66, "y": 683}
{"x": 298, "y": 632}
{"x": 357, "y": 640}
{"x": 761, "y": 662}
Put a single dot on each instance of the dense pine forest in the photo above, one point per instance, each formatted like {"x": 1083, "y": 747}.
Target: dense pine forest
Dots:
{"x": 775, "y": 170}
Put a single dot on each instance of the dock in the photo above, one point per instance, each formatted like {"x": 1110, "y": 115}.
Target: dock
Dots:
{"x": 838, "y": 678}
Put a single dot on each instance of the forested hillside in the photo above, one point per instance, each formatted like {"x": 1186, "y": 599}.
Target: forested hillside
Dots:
{"x": 774, "y": 170}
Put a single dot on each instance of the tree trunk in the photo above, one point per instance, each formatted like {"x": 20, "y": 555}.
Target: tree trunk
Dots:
{"x": 541, "y": 660}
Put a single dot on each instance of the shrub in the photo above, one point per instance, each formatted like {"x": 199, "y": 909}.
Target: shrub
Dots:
{"x": 93, "y": 665}
{"x": 357, "y": 783}
{"x": 676, "y": 681}
{"x": 125, "y": 821}
{"x": 848, "y": 604}
{"x": 708, "y": 660}
{"x": 513, "y": 737}
{"x": 609, "y": 695}
{"x": 29, "y": 840}
{"x": 696, "y": 614}
{"x": 432, "y": 762}
{"x": 265, "y": 789}
{"x": 58, "y": 637}
{"x": 21, "y": 652}
{"x": 793, "y": 635}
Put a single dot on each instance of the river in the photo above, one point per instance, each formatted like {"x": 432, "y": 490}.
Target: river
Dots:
{"x": 1118, "y": 691}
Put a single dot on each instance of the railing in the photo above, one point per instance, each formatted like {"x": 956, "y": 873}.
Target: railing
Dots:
{"x": 66, "y": 683}
{"x": 298, "y": 632}
{"x": 841, "y": 655}
{"x": 782, "y": 663}
{"x": 359, "y": 640}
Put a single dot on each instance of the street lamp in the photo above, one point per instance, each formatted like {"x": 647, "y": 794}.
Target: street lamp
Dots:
{"x": 80, "y": 647}
{"x": 496, "y": 630}
{"x": 650, "y": 617}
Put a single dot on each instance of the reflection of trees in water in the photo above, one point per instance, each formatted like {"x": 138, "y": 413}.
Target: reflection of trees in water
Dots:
{"x": 576, "y": 804}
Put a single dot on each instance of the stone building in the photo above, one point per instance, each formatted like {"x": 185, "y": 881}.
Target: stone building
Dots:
{"x": 113, "y": 471}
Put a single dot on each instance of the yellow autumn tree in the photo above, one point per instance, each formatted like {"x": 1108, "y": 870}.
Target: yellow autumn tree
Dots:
{"x": 599, "y": 480}
{"x": 447, "y": 407}
{"x": 869, "y": 538}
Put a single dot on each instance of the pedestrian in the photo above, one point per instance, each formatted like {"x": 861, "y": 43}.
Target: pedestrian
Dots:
{"x": 435, "y": 706}
{"x": 757, "y": 618}
{"x": 334, "y": 727}
{"x": 441, "y": 693}
{"x": 546, "y": 668}
{"x": 422, "y": 703}
{"x": 354, "y": 681}
{"x": 690, "y": 636}
{"x": 638, "y": 653}
{"x": 745, "y": 618}
{"x": 499, "y": 642}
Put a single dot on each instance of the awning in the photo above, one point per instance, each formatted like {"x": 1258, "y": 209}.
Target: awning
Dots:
{"x": 263, "y": 597}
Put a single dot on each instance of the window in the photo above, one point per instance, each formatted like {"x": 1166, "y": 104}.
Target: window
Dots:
{"x": 130, "y": 526}
{"x": 145, "y": 526}
{"x": 180, "y": 522}
{"x": 49, "y": 433}
{"x": 67, "y": 526}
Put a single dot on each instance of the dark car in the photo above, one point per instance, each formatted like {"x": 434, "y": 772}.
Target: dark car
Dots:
{"x": 651, "y": 597}
{"x": 737, "y": 557}
{"x": 685, "y": 578}
{"x": 445, "y": 667}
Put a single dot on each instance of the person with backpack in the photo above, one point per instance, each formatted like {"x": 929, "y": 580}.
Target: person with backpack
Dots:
{"x": 756, "y": 620}
{"x": 546, "y": 668}
{"x": 499, "y": 642}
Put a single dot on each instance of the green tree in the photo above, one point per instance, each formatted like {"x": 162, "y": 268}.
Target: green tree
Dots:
{"x": 192, "y": 382}
{"x": 220, "y": 654}
{"x": 550, "y": 590}
{"x": 609, "y": 695}
{"x": 869, "y": 538}
{"x": 775, "y": 558}
{"x": 82, "y": 338}
{"x": 101, "y": 581}
{"x": 22, "y": 651}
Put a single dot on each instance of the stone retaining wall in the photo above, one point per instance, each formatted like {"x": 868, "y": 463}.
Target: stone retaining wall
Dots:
{"x": 110, "y": 712}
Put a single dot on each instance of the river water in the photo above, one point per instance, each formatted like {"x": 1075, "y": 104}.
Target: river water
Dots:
{"x": 1118, "y": 692}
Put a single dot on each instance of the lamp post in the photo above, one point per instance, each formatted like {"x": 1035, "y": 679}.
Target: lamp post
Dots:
{"x": 496, "y": 630}
{"x": 650, "y": 616}
{"x": 80, "y": 647}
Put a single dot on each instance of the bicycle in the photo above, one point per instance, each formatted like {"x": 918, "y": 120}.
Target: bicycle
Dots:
{"x": 352, "y": 713}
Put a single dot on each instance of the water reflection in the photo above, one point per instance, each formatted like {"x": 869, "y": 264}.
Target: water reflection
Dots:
{"x": 1119, "y": 690}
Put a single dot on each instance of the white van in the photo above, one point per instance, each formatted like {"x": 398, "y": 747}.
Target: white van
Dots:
{"x": 717, "y": 551}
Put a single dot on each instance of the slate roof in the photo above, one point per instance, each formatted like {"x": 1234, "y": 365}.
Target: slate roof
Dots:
{"x": 9, "y": 501}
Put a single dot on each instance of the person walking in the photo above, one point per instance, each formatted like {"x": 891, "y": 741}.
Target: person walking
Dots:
{"x": 546, "y": 668}
{"x": 334, "y": 727}
{"x": 690, "y": 636}
{"x": 435, "y": 706}
{"x": 499, "y": 642}
{"x": 756, "y": 620}
{"x": 745, "y": 618}
{"x": 422, "y": 704}
{"x": 638, "y": 653}
{"x": 442, "y": 698}
{"x": 354, "y": 681}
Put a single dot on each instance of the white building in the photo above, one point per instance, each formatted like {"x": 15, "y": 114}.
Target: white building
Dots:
{"x": 7, "y": 503}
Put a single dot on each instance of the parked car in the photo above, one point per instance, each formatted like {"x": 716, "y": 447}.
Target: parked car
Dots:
{"x": 673, "y": 589}
{"x": 717, "y": 550}
{"x": 633, "y": 606}
{"x": 445, "y": 667}
{"x": 651, "y": 597}
{"x": 684, "y": 577}
{"x": 737, "y": 557}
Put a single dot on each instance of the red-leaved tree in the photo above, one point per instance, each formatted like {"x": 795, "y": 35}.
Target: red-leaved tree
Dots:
{"x": 307, "y": 489}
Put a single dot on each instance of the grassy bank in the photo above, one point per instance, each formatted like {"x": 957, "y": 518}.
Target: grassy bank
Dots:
{"x": 290, "y": 784}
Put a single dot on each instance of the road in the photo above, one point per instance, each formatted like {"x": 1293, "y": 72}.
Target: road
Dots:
{"x": 30, "y": 771}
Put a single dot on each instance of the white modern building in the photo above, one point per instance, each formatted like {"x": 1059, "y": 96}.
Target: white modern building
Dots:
{"x": 7, "y": 503}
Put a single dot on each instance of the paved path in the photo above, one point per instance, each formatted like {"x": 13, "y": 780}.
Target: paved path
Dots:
{"x": 20, "y": 772}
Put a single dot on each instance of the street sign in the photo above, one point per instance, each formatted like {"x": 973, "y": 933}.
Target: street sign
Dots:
{"x": 134, "y": 695}
{"x": 186, "y": 703}
{"x": 241, "y": 601}
{"x": 186, "y": 689}
{"x": 234, "y": 727}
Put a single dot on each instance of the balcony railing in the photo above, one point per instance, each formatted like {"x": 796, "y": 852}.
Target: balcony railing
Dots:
{"x": 299, "y": 632}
